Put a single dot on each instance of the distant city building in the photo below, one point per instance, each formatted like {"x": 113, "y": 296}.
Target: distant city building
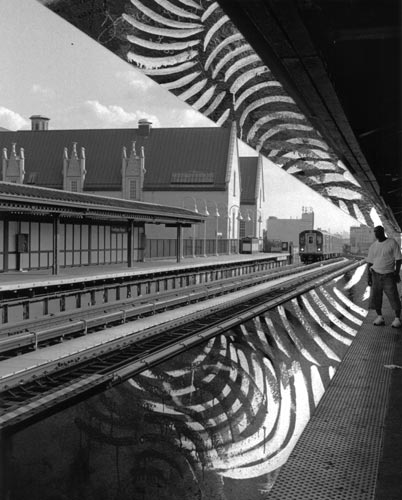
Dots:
{"x": 361, "y": 237}
{"x": 289, "y": 229}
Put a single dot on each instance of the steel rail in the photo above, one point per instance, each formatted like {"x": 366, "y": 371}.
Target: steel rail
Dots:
{"x": 32, "y": 334}
{"x": 25, "y": 402}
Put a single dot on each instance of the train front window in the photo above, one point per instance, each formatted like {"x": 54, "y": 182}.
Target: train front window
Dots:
{"x": 310, "y": 239}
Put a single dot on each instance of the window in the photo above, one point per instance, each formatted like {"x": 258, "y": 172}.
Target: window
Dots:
{"x": 133, "y": 190}
{"x": 242, "y": 229}
{"x": 74, "y": 186}
{"x": 234, "y": 183}
{"x": 233, "y": 225}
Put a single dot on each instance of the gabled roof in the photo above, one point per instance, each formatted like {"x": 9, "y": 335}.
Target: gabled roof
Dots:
{"x": 39, "y": 200}
{"x": 175, "y": 158}
{"x": 248, "y": 175}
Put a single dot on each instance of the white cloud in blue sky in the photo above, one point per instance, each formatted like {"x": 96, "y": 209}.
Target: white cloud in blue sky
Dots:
{"x": 112, "y": 116}
{"x": 11, "y": 120}
{"x": 135, "y": 81}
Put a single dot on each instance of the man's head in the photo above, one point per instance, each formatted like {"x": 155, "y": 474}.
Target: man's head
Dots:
{"x": 379, "y": 233}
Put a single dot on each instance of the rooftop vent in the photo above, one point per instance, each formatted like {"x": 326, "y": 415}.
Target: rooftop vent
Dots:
{"x": 39, "y": 122}
{"x": 144, "y": 127}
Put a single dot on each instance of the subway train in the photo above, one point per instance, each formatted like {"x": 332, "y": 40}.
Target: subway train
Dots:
{"x": 318, "y": 245}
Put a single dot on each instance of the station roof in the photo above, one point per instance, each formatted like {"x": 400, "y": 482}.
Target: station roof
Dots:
{"x": 20, "y": 198}
{"x": 175, "y": 158}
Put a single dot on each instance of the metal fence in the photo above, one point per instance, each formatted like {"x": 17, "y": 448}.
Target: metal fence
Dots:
{"x": 166, "y": 248}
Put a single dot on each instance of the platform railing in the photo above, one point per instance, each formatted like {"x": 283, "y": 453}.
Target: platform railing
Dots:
{"x": 167, "y": 248}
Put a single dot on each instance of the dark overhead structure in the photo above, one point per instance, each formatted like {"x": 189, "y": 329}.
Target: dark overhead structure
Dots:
{"x": 341, "y": 60}
{"x": 314, "y": 85}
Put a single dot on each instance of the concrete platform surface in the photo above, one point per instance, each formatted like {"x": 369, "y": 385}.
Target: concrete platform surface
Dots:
{"x": 351, "y": 449}
{"x": 109, "y": 270}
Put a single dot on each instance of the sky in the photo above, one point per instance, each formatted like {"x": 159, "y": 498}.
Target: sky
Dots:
{"x": 50, "y": 68}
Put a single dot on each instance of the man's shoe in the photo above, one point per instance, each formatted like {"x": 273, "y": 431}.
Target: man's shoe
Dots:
{"x": 396, "y": 323}
{"x": 379, "y": 321}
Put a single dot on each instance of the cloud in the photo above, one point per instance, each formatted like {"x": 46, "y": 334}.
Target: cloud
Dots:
{"x": 11, "y": 120}
{"x": 135, "y": 80}
{"x": 43, "y": 91}
{"x": 189, "y": 118}
{"x": 115, "y": 116}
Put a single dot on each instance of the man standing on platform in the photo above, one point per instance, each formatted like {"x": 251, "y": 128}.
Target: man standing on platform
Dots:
{"x": 384, "y": 264}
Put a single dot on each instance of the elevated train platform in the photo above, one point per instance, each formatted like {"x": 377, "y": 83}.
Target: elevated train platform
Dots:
{"x": 351, "y": 449}
{"x": 24, "y": 279}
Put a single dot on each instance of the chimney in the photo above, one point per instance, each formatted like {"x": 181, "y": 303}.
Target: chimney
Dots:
{"x": 144, "y": 127}
{"x": 39, "y": 122}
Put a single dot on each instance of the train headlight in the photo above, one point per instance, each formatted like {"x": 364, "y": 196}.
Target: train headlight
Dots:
{"x": 319, "y": 249}
{"x": 302, "y": 249}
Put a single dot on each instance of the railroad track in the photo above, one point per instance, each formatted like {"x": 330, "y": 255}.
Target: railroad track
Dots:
{"x": 33, "y": 334}
{"x": 28, "y": 300}
{"x": 105, "y": 367}
{"x": 30, "y": 291}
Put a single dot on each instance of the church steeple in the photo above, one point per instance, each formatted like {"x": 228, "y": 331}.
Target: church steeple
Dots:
{"x": 13, "y": 166}
{"x": 132, "y": 173}
{"x": 74, "y": 170}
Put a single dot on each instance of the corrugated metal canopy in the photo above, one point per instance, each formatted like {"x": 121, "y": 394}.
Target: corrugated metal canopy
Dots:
{"x": 23, "y": 198}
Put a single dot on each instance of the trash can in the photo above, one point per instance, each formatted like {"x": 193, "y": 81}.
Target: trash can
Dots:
{"x": 249, "y": 245}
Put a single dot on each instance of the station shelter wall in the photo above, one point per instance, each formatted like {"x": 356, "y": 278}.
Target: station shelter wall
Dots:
{"x": 40, "y": 245}
{"x": 1, "y": 245}
{"x": 83, "y": 244}
{"x": 79, "y": 244}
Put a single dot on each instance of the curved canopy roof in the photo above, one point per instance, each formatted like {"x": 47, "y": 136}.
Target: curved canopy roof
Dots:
{"x": 268, "y": 65}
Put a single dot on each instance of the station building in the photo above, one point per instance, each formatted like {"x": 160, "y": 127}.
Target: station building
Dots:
{"x": 43, "y": 228}
{"x": 194, "y": 168}
{"x": 254, "y": 196}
